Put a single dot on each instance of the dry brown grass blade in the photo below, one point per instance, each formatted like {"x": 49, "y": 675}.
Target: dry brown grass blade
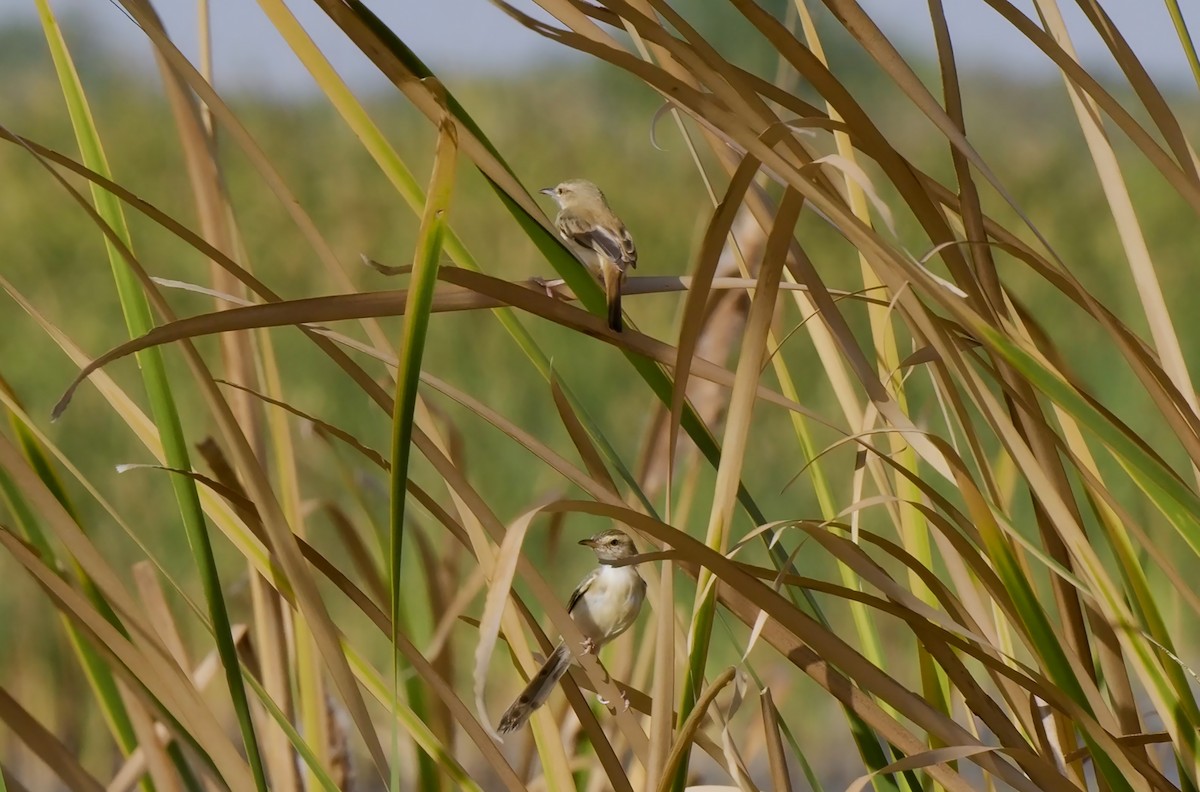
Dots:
{"x": 692, "y": 323}
{"x": 126, "y": 778}
{"x": 723, "y": 326}
{"x": 690, "y": 726}
{"x": 971, "y": 211}
{"x": 1023, "y": 681}
{"x": 583, "y": 444}
{"x": 10, "y": 781}
{"x": 440, "y": 687}
{"x": 734, "y": 442}
{"x": 352, "y": 306}
{"x": 150, "y": 593}
{"x": 151, "y": 748}
{"x": 331, "y": 430}
{"x": 238, "y": 353}
{"x": 493, "y": 608}
{"x": 151, "y": 737}
{"x": 553, "y": 459}
{"x": 814, "y": 650}
{"x": 165, "y": 48}
{"x": 662, "y": 718}
{"x": 1155, "y": 103}
{"x": 922, "y": 760}
{"x": 454, "y": 613}
{"x": 776, "y": 759}
{"x": 1137, "y": 253}
{"x": 158, "y": 674}
{"x": 1185, "y": 184}
{"x": 260, "y": 490}
{"x": 364, "y": 560}
{"x": 46, "y": 746}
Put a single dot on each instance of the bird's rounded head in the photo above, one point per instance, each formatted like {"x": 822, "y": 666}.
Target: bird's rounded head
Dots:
{"x": 573, "y": 191}
{"x": 611, "y": 545}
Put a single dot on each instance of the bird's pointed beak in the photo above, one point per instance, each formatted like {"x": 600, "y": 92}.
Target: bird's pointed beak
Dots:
{"x": 547, "y": 191}
{"x": 589, "y": 542}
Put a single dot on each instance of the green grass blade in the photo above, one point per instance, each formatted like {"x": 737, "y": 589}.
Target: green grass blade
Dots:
{"x": 139, "y": 321}
{"x": 1185, "y": 38}
{"x": 408, "y": 376}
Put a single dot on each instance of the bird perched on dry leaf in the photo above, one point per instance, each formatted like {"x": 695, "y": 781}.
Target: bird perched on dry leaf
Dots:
{"x": 596, "y": 236}
{"x": 603, "y": 606}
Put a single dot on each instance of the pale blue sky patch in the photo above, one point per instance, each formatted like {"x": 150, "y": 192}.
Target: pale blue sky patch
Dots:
{"x": 249, "y": 54}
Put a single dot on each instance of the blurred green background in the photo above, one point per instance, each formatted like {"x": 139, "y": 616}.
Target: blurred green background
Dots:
{"x": 553, "y": 122}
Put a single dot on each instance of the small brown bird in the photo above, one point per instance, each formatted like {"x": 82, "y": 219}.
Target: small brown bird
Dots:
{"x": 596, "y": 236}
{"x": 603, "y": 606}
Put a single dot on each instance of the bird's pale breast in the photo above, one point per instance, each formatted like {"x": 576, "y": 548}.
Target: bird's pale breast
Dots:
{"x": 611, "y": 603}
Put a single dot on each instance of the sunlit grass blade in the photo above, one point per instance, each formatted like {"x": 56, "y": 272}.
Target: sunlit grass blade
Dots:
{"x": 412, "y": 346}
{"x": 516, "y": 200}
{"x": 257, "y": 485}
{"x": 197, "y": 136}
{"x": 762, "y": 311}
{"x": 1133, "y": 241}
{"x": 46, "y": 746}
{"x": 138, "y": 319}
{"x": 95, "y": 669}
{"x": 144, "y": 669}
{"x": 1185, "y": 38}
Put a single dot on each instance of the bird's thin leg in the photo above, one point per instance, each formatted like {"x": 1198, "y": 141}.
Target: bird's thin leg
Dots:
{"x": 548, "y": 285}
{"x": 589, "y": 647}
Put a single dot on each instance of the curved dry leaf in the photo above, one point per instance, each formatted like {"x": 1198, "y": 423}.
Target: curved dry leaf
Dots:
{"x": 692, "y": 324}
{"x": 799, "y": 638}
{"x": 493, "y": 608}
{"x": 333, "y": 431}
{"x": 691, "y": 726}
{"x": 854, "y": 172}
{"x": 375, "y": 304}
{"x": 921, "y": 761}
{"x": 47, "y": 747}
{"x": 157, "y": 673}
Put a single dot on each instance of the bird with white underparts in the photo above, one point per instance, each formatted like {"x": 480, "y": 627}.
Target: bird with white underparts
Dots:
{"x": 604, "y": 605}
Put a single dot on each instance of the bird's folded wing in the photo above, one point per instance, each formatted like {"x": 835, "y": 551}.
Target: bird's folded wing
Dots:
{"x": 581, "y": 589}
{"x": 614, "y": 244}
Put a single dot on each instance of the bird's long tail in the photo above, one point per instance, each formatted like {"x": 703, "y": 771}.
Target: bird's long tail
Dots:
{"x": 613, "y": 277}
{"x": 538, "y": 690}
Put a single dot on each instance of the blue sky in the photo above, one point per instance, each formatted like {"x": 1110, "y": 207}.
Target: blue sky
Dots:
{"x": 248, "y": 53}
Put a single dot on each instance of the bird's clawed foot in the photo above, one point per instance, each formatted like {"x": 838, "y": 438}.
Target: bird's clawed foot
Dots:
{"x": 588, "y": 646}
{"x": 624, "y": 701}
{"x": 548, "y": 285}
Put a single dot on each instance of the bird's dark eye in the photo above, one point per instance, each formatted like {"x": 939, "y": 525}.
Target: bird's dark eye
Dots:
{"x": 613, "y": 541}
